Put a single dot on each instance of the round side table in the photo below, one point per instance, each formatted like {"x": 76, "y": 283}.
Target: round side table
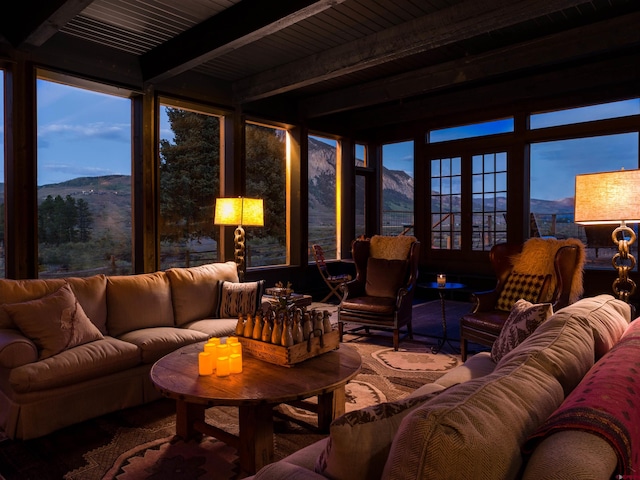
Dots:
{"x": 442, "y": 290}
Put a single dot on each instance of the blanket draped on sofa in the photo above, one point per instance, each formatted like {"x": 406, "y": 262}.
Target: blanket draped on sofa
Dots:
{"x": 606, "y": 403}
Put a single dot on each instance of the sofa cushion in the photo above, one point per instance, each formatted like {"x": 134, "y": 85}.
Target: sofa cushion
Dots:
{"x": 156, "y": 342}
{"x": 476, "y": 366}
{"x": 54, "y": 322}
{"x": 91, "y": 292}
{"x": 195, "y": 290}
{"x": 523, "y": 319}
{"x": 77, "y": 364}
{"x": 138, "y": 301}
{"x": 520, "y": 285}
{"x": 240, "y": 298}
{"x": 359, "y": 441}
{"x": 454, "y": 435}
{"x": 214, "y": 327}
{"x": 385, "y": 277}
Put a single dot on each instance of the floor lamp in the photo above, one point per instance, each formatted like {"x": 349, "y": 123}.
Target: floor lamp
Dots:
{"x": 612, "y": 198}
{"x": 243, "y": 212}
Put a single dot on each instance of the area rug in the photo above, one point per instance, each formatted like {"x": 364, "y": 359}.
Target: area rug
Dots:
{"x": 139, "y": 443}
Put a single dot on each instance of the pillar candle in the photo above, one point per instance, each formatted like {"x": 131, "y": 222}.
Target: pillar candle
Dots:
{"x": 235, "y": 363}
{"x": 236, "y": 348}
{"x": 222, "y": 369}
{"x": 205, "y": 366}
{"x": 210, "y": 347}
{"x": 441, "y": 279}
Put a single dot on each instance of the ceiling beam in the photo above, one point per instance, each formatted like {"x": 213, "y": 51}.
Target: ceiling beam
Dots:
{"x": 35, "y": 22}
{"x": 237, "y": 26}
{"x": 584, "y": 41}
{"x": 445, "y": 27}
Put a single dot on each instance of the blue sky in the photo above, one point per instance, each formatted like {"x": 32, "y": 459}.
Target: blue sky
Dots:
{"x": 84, "y": 133}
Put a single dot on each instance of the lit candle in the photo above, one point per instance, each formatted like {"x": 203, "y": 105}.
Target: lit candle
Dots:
{"x": 222, "y": 369}
{"x": 236, "y": 349}
{"x": 205, "y": 365}
{"x": 222, "y": 350}
{"x": 441, "y": 279}
{"x": 210, "y": 347}
{"x": 235, "y": 363}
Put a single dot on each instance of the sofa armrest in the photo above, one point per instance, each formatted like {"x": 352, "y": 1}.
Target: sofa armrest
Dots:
{"x": 16, "y": 349}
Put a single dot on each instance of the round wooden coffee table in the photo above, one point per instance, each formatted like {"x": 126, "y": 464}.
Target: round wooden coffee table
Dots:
{"x": 255, "y": 392}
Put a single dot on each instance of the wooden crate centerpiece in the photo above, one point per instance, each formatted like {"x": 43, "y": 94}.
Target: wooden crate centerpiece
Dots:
{"x": 289, "y": 356}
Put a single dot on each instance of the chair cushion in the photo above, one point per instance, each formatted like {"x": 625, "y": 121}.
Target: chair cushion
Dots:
{"x": 240, "y": 298}
{"x": 55, "y": 322}
{"x": 385, "y": 277}
{"x": 520, "y": 285}
{"x": 522, "y": 321}
{"x": 383, "y": 306}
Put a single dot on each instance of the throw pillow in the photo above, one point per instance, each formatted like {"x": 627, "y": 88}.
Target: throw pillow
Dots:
{"x": 391, "y": 248}
{"x": 520, "y": 285}
{"x": 240, "y": 298}
{"x": 55, "y": 322}
{"x": 360, "y": 441}
{"x": 385, "y": 277}
{"x": 522, "y": 321}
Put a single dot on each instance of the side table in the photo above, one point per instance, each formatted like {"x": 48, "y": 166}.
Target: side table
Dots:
{"x": 442, "y": 290}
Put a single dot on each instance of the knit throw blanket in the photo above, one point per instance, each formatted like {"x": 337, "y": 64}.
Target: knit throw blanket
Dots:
{"x": 606, "y": 403}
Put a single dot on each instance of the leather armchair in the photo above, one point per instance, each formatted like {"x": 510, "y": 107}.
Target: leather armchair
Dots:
{"x": 485, "y": 322}
{"x": 381, "y": 295}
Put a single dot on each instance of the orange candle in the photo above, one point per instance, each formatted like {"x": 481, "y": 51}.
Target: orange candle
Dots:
{"x": 205, "y": 366}
{"x": 210, "y": 347}
{"x": 231, "y": 340}
{"x": 236, "y": 348}
{"x": 235, "y": 363}
{"x": 222, "y": 369}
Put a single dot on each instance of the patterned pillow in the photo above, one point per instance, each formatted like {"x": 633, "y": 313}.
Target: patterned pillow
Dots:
{"x": 55, "y": 322}
{"x": 522, "y": 321}
{"x": 359, "y": 441}
{"x": 520, "y": 285}
{"x": 236, "y": 298}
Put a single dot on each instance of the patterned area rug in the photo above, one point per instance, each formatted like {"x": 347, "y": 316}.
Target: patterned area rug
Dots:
{"x": 139, "y": 443}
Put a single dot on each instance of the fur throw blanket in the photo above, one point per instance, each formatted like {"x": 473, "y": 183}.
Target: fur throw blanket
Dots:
{"x": 538, "y": 256}
{"x": 391, "y": 248}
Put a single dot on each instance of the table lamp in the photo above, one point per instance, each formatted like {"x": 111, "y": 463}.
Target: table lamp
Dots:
{"x": 612, "y": 198}
{"x": 243, "y": 212}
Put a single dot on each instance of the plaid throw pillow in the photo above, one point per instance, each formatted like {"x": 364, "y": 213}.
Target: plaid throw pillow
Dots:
{"x": 520, "y": 285}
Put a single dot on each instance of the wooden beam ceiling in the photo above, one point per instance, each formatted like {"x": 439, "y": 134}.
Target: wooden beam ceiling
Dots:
{"x": 445, "y": 27}
{"x": 590, "y": 40}
{"x": 239, "y": 25}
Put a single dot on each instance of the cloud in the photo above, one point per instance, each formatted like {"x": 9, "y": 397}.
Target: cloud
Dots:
{"x": 98, "y": 130}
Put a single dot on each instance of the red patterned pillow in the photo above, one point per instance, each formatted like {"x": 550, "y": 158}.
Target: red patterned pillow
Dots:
{"x": 520, "y": 285}
{"x": 522, "y": 321}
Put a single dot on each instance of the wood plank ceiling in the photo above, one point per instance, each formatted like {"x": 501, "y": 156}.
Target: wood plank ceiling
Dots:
{"x": 324, "y": 56}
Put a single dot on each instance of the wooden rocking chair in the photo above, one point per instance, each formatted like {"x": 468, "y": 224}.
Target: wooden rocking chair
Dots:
{"x": 332, "y": 281}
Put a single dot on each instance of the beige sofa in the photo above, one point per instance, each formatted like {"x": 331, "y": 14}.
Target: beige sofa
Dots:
{"x": 49, "y": 380}
{"x": 535, "y": 413}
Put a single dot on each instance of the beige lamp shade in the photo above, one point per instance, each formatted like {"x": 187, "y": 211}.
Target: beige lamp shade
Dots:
{"x": 248, "y": 212}
{"x": 608, "y": 198}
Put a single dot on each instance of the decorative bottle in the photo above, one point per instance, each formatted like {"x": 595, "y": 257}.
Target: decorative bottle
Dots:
{"x": 306, "y": 326}
{"x": 276, "y": 334}
{"x": 257, "y": 328}
{"x": 248, "y": 326}
{"x": 240, "y": 326}
{"x": 266, "y": 330}
{"x": 326, "y": 322}
{"x": 286, "y": 340}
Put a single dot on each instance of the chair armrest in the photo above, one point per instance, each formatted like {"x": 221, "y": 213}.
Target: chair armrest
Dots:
{"x": 485, "y": 301}
{"x": 353, "y": 288}
{"x": 16, "y": 349}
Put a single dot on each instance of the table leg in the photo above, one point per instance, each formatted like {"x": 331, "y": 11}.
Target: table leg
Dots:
{"x": 256, "y": 437}
{"x": 441, "y": 342}
{"x": 331, "y": 405}
{"x": 187, "y": 414}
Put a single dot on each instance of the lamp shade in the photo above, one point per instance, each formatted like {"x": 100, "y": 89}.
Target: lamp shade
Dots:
{"x": 608, "y": 198}
{"x": 248, "y": 212}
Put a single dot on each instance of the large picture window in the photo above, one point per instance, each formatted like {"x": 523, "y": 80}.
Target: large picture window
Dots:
{"x": 323, "y": 215}
{"x": 397, "y": 188}
{"x": 84, "y": 181}
{"x": 189, "y": 185}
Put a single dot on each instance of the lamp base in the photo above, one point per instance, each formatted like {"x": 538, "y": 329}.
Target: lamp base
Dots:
{"x": 623, "y": 262}
{"x": 239, "y": 251}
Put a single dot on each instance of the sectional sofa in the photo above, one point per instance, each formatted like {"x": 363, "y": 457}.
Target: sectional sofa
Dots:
{"x": 76, "y": 348}
{"x": 556, "y": 398}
